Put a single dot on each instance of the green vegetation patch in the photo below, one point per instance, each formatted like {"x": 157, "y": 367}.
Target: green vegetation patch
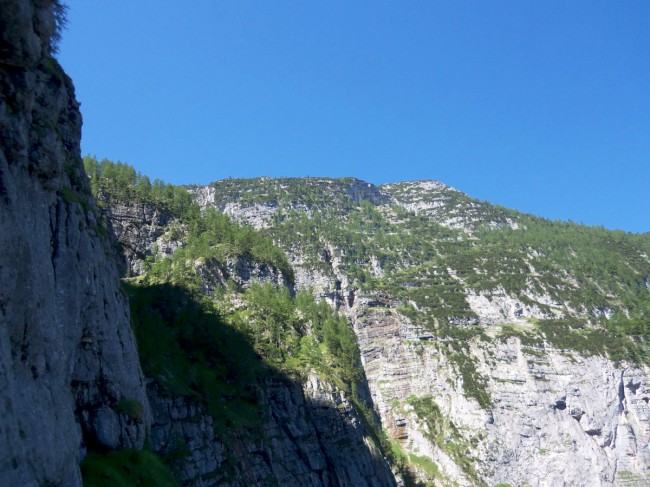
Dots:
{"x": 188, "y": 349}
{"x": 211, "y": 234}
{"x": 131, "y": 408}
{"x": 425, "y": 464}
{"x": 119, "y": 182}
{"x": 299, "y": 335}
{"x": 529, "y": 337}
{"x": 595, "y": 341}
{"x": 404, "y": 464}
{"x": 69, "y": 195}
{"x": 126, "y": 468}
{"x": 474, "y": 384}
{"x": 52, "y": 67}
{"x": 193, "y": 346}
{"x": 606, "y": 339}
{"x": 442, "y": 432}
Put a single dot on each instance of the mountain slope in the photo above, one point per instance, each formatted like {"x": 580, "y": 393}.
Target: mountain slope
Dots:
{"x": 305, "y": 331}
{"x": 522, "y": 341}
{"x": 496, "y": 347}
{"x": 250, "y": 382}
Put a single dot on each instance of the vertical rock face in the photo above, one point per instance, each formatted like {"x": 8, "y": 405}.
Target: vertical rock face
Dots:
{"x": 140, "y": 229}
{"x": 310, "y": 436}
{"x": 67, "y": 355}
{"x": 556, "y": 417}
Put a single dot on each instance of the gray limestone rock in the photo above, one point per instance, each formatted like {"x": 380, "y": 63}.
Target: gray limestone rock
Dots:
{"x": 556, "y": 417}
{"x": 67, "y": 354}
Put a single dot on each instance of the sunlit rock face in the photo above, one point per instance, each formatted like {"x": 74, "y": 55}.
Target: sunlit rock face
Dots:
{"x": 67, "y": 352}
{"x": 555, "y": 417}
{"x": 552, "y": 416}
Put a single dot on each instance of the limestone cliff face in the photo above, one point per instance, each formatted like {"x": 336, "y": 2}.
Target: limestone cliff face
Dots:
{"x": 259, "y": 210}
{"x": 555, "y": 417}
{"x": 67, "y": 354}
{"x": 142, "y": 231}
{"x": 449, "y": 207}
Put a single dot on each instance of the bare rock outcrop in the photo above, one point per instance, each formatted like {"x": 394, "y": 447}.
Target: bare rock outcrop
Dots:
{"x": 67, "y": 354}
{"x": 142, "y": 231}
{"x": 548, "y": 416}
{"x": 555, "y": 416}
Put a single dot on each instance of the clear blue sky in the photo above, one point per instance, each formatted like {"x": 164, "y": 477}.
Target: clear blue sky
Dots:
{"x": 541, "y": 106}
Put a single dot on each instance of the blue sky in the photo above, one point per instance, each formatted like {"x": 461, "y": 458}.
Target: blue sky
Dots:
{"x": 541, "y": 106}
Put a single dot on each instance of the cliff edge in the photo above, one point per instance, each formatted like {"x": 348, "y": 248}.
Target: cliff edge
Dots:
{"x": 68, "y": 360}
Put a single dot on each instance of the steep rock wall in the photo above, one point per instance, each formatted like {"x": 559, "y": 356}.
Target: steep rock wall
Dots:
{"x": 556, "y": 417}
{"x": 310, "y": 435}
{"x": 67, "y": 354}
{"x": 141, "y": 231}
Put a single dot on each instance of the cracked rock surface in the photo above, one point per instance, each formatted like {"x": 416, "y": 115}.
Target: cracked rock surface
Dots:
{"x": 67, "y": 354}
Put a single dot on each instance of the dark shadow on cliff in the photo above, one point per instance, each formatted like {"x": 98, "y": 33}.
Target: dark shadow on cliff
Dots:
{"x": 271, "y": 431}
{"x": 190, "y": 352}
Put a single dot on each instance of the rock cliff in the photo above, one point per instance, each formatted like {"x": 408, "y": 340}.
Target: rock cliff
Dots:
{"x": 142, "y": 231}
{"x": 310, "y": 435}
{"x": 556, "y": 417}
{"x": 68, "y": 355}
{"x": 470, "y": 389}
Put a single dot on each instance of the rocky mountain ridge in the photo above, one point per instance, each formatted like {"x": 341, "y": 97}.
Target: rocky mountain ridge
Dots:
{"x": 449, "y": 207}
{"x": 529, "y": 409}
{"x": 499, "y": 384}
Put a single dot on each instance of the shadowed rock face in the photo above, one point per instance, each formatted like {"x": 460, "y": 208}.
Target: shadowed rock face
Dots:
{"x": 67, "y": 355}
{"x": 311, "y": 435}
